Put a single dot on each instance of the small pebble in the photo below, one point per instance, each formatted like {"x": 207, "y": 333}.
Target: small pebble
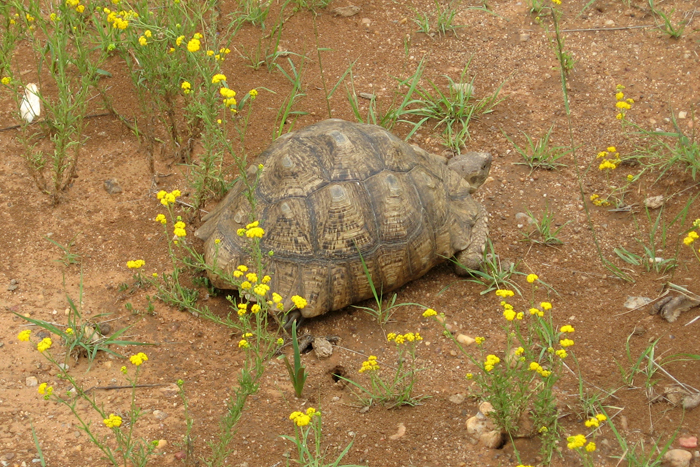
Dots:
{"x": 688, "y": 442}
{"x": 31, "y": 381}
{"x": 677, "y": 458}
{"x": 160, "y": 415}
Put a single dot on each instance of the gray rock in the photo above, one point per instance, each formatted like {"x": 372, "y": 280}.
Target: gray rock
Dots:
{"x": 636, "y": 302}
{"x": 677, "y": 458}
{"x": 457, "y": 398}
{"x": 112, "y": 186}
{"x": 160, "y": 415}
{"x": 322, "y": 348}
{"x": 654, "y": 202}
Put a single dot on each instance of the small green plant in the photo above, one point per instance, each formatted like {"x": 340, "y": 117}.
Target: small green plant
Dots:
{"x": 65, "y": 63}
{"x": 286, "y": 117}
{"x": 644, "y": 364}
{"x": 68, "y": 256}
{"x": 443, "y": 19}
{"x": 80, "y": 336}
{"x": 582, "y": 445}
{"x": 536, "y": 6}
{"x": 637, "y": 455}
{"x": 297, "y": 373}
{"x": 538, "y": 154}
{"x": 518, "y": 381}
{"x": 397, "y": 389}
{"x": 452, "y": 109}
{"x": 494, "y": 274}
{"x": 674, "y": 31}
{"x": 545, "y": 232}
{"x": 668, "y": 149}
{"x": 129, "y": 449}
{"x": 311, "y": 5}
{"x": 383, "y": 312}
{"x": 310, "y": 452}
{"x": 251, "y": 11}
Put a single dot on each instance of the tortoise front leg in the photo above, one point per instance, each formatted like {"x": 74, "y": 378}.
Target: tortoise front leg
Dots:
{"x": 472, "y": 257}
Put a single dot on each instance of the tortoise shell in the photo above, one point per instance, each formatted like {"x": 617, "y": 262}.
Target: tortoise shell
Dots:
{"x": 336, "y": 190}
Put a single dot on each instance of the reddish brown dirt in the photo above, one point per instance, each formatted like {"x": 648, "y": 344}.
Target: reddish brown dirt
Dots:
{"x": 660, "y": 74}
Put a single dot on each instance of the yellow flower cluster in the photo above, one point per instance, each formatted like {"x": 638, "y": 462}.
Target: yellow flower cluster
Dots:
{"x": 491, "y": 362}
{"x": 479, "y": 340}
{"x": 532, "y": 278}
{"x": 303, "y": 419}
{"x": 299, "y": 302}
{"x": 370, "y": 364}
{"x": 168, "y": 198}
{"x": 403, "y": 338}
{"x": 24, "y": 335}
{"x": 5, "y": 80}
{"x": 692, "y": 235}
{"x": 595, "y": 421}
{"x": 44, "y": 345}
{"x": 429, "y": 312}
{"x": 253, "y": 93}
{"x": 186, "y": 87}
{"x": 217, "y": 78}
{"x": 243, "y": 344}
{"x": 76, "y": 4}
{"x": 179, "y": 229}
{"x": 161, "y": 218}
{"x": 45, "y": 389}
{"x": 567, "y": 328}
{"x": 504, "y": 293}
{"x": 579, "y": 441}
{"x": 598, "y": 201}
{"x": 113, "y": 421}
{"x": 138, "y": 359}
{"x": 137, "y": 264}
{"x": 612, "y": 162}
{"x": 622, "y": 105}
{"x": 229, "y": 96}
{"x": 534, "y": 366}
{"x": 120, "y": 20}
{"x": 252, "y": 230}
{"x": 194, "y": 44}
{"x": 566, "y": 343}
{"x": 509, "y": 313}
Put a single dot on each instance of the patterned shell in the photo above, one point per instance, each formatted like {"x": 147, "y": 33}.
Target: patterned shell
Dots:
{"x": 335, "y": 190}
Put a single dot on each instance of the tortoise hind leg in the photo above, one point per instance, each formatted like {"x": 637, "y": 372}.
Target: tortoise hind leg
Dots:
{"x": 472, "y": 257}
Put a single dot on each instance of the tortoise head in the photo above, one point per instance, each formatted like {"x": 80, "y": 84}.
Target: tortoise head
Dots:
{"x": 473, "y": 167}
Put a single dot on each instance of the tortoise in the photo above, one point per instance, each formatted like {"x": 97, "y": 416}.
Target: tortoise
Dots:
{"x": 335, "y": 194}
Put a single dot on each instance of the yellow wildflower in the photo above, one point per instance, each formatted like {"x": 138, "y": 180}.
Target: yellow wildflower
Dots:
{"x": 243, "y": 344}
{"x": 255, "y": 232}
{"x": 253, "y": 93}
{"x": 113, "y": 421}
{"x": 6, "y": 80}
{"x": 566, "y": 343}
{"x": 138, "y": 359}
{"x": 532, "y": 278}
{"x": 429, "y": 312}
{"x": 561, "y": 353}
{"x": 479, "y": 340}
{"x": 509, "y": 314}
{"x": 44, "y": 345}
{"x": 546, "y": 306}
{"x": 299, "y": 302}
{"x": 691, "y": 237}
{"x": 218, "y": 78}
{"x": 161, "y": 218}
{"x": 186, "y": 87}
{"x": 24, "y": 335}
{"x": 567, "y": 328}
{"x": 245, "y": 285}
{"x": 193, "y": 45}
{"x": 69, "y": 331}
{"x": 491, "y": 362}
{"x": 143, "y": 40}
{"x": 504, "y": 293}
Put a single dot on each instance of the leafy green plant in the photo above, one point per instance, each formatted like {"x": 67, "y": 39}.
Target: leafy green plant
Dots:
{"x": 453, "y": 109}
{"x": 129, "y": 449}
{"x": 545, "y": 232}
{"x": 644, "y": 364}
{"x": 64, "y": 62}
{"x": 80, "y": 336}
{"x": 286, "y": 117}
{"x": 309, "y": 452}
{"x": 674, "y": 31}
{"x": 493, "y": 274}
{"x": 668, "y": 149}
{"x": 443, "y": 19}
{"x": 538, "y": 154}
{"x": 518, "y": 381}
{"x": 297, "y": 373}
{"x": 396, "y": 389}
{"x": 68, "y": 257}
{"x": 637, "y": 455}
{"x": 383, "y": 312}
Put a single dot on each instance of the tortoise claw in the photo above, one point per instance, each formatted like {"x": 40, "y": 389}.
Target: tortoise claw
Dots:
{"x": 291, "y": 317}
